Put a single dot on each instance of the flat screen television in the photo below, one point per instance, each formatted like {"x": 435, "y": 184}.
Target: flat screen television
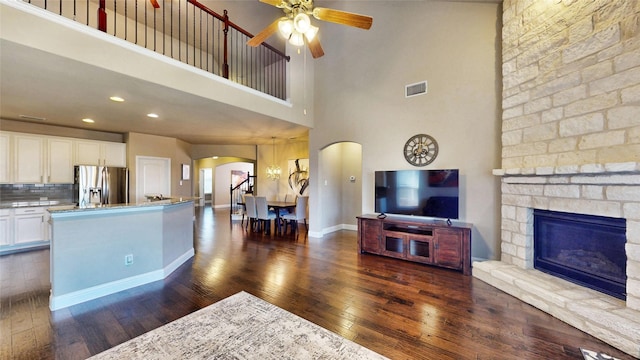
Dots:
{"x": 430, "y": 193}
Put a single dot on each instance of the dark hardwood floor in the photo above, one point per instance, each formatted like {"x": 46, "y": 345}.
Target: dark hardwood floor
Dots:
{"x": 399, "y": 309}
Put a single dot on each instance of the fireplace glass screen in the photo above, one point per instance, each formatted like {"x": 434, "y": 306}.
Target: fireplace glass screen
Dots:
{"x": 584, "y": 249}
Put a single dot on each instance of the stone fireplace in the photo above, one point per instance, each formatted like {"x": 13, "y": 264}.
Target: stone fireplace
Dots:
{"x": 570, "y": 143}
{"x": 612, "y": 191}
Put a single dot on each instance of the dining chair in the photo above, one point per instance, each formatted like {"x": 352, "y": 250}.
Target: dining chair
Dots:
{"x": 300, "y": 213}
{"x": 264, "y": 216}
{"x": 243, "y": 208}
{"x": 252, "y": 214}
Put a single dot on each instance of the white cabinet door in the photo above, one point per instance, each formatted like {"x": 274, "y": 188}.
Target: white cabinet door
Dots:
{"x": 88, "y": 153}
{"x": 29, "y": 159}
{"x": 5, "y": 227}
{"x": 115, "y": 154}
{"x": 60, "y": 161}
{"x": 29, "y": 225}
{"x": 101, "y": 153}
{"x": 5, "y": 158}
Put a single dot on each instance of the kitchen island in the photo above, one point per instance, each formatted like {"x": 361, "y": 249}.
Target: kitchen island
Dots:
{"x": 102, "y": 249}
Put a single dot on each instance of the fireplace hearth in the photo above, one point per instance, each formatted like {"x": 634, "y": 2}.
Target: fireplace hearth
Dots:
{"x": 585, "y": 249}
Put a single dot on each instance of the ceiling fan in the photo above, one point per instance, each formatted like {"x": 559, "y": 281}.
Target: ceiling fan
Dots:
{"x": 296, "y": 24}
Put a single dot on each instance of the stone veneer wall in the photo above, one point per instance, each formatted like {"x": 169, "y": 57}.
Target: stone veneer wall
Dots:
{"x": 570, "y": 142}
{"x": 571, "y": 82}
{"x": 571, "y": 119}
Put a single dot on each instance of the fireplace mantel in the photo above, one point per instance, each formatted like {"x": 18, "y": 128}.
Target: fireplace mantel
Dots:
{"x": 610, "y": 169}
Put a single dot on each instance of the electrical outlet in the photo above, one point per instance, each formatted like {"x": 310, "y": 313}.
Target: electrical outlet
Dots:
{"x": 128, "y": 259}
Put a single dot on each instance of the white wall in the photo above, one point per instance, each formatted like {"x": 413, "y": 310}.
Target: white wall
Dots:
{"x": 359, "y": 97}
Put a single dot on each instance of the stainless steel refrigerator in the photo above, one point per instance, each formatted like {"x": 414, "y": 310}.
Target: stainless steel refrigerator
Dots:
{"x": 100, "y": 185}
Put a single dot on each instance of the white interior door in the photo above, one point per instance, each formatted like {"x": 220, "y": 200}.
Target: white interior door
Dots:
{"x": 207, "y": 185}
{"x": 201, "y": 187}
{"x": 153, "y": 177}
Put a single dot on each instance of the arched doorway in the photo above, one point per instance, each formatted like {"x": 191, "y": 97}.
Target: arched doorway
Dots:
{"x": 218, "y": 184}
{"x": 339, "y": 186}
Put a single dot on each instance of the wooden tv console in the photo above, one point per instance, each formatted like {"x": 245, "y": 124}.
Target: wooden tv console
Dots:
{"x": 422, "y": 240}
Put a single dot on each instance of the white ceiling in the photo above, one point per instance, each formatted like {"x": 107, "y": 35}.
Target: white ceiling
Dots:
{"x": 35, "y": 83}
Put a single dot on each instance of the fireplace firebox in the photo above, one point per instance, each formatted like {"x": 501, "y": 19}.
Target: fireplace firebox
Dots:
{"x": 584, "y": 249}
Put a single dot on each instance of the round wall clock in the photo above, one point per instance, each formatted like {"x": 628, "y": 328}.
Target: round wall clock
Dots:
{"x": 420, "y": 150}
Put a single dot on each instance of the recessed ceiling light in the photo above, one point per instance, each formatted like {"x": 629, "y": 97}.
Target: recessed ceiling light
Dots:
{"x": 87, "y": 120}
{"x": 116, "y": 99}
{"x": 152, "y": 115}
{"x": 214, "y": 157}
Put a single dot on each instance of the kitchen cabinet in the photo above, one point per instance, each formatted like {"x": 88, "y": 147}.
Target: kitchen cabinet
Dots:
{"x": 29, "y": 225}
{"x": 23, "y": 228}
{"x": 115, "y": 154}
{"x": 5, "y": 227}
{"x": 5, "y": 158}
{"x": 59, "y": 161}
{"x": 100, "y": 153}
{"x": 41, "y": 159}
{"x": 29, "y": 160}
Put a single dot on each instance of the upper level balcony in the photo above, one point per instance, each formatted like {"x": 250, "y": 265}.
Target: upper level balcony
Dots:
{"x": 62, "y": 59}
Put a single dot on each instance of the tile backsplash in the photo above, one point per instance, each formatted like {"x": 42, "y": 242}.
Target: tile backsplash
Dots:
{"x": 34, "y": 192}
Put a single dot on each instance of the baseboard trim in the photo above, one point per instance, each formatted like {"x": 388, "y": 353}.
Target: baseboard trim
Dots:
{"x": 323, "y": 232}
{"x": 94, "y": 292}
{"x": 175, "y": 264}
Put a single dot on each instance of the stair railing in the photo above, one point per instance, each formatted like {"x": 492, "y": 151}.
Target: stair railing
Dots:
{"x": 236, "y": 192}
{"x": 185, "y": 30}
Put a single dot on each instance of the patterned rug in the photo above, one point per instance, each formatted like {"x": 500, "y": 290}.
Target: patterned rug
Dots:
{"x": 241, "y": 326}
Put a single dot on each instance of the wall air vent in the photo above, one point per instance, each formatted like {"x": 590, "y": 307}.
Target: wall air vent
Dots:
{"x": 415, "y": 89}
{"x": 30, "y": 117}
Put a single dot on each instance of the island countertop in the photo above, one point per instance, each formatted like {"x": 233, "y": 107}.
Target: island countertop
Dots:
{"x": 94, "y": 207}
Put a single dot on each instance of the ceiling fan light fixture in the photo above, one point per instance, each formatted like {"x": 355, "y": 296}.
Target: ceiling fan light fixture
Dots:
{"x": 302, "y": 23}
{"x": 311, "y": 33}
{"x": 296, "y": 26}
{"x": 296, "y": 39}
{"x": 286, "y": 28}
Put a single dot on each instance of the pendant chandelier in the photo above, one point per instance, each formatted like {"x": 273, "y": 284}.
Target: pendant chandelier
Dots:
{"x": 273, "y": 170}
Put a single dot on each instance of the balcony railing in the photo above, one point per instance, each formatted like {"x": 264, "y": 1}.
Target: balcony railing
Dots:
{"x": 187, "y": 31}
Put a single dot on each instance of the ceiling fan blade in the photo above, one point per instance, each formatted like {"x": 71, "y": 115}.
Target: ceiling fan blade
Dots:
{"x": 315, "y": 47}
{"x": 276, "y": 3}
{"x": 264, "y": 34}
{"x": 154, "y": 3}
{"x": 343, "y": 17}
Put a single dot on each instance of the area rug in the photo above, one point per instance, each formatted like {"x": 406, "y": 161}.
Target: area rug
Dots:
{"x": 241, "y": 326}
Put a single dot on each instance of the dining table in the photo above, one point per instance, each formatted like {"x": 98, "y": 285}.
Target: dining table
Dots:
{"x": 277, "y": 206}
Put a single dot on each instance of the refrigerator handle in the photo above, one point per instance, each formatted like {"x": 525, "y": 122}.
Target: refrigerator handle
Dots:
{"x": 126, "y": 185}
{"x": 105, "y": 186}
